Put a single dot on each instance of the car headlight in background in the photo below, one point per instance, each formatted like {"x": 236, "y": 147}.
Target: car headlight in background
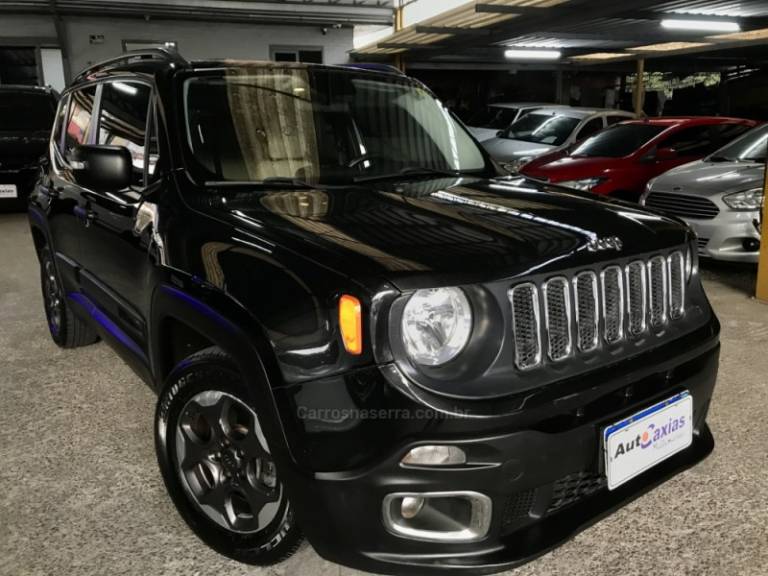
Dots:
{"x": 747, "y": 201}
{"x": 436, "y": 325}
{"x": 587, "y": 184}
{"x": 517, "y": 164}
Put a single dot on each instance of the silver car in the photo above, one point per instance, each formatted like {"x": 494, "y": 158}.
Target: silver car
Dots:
{"x": 547, "y": 130}
{"x": 720, "y": 197}
{"x": 496, "y": 117}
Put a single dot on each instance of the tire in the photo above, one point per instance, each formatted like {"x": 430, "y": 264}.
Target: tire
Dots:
{"x": 66, "y": 328}
{"x": 216, "y": 463}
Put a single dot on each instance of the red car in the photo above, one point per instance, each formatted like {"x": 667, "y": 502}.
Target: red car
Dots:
{"x": 620, "y": 160}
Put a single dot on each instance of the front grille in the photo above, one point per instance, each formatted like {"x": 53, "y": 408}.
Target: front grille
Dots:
{"x": 616, "y": 304}
{"x": 683, "y": 205}
{"x": 573, "y": 488}
{"x": 518, "y": 507}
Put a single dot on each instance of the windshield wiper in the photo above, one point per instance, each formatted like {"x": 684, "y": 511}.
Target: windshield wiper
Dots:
{"x": 411, "y": 171}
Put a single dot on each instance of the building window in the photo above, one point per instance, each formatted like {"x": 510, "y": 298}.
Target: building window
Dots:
{"x": 310, "y": 55}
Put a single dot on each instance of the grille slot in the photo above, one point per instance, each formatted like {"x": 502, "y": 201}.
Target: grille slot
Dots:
{"x": 636, "y": 302}
{"x": 526, "y": 325}
{"x": 613, "y": 304}
{"x": 676, "y": 264}
{"x": 587, "y": 318}
{"x": 517, "y": 507}
{"x": 702, "y": 243}
{"x": 657, "y": 291}
{"x": 683, "y": 205}
{"x": 557, "y": 318}
{"x": 573, "y": 488}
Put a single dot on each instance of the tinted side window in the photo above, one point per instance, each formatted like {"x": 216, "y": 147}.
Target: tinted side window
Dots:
{"x": 615, "y": 119}
{"x": 594, "y": 125}
{"x": 79, "y": 119}
{"x": 58, "y": 126}
{"x": 694, "y": 141}
{"x": 123, "y": 121}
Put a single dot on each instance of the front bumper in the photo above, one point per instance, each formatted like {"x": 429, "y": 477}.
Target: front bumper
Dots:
{"x": 544, "y": 478}
{"x": 722, "y": 238}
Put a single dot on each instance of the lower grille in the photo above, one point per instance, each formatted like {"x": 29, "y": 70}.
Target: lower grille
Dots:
{"x": 683, "y": 205}
{"x": 573, "y": 488}
{"x": 702, "y": 243}
{"x": 518, "y": 507}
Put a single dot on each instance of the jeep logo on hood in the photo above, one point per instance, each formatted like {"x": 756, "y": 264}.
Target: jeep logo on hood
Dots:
{"x": 607, "y": 243}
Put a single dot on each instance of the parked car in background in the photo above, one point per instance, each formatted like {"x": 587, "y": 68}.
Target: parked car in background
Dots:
{"x": 620, "y": 160}
{"x": 487, "y": 123}
{"x": 26, "y": 118}
{"x": 548, "y": 130}
{"x": 720, "y": 197}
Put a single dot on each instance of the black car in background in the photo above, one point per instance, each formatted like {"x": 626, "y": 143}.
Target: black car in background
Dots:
{"x": 26, "y": 118}
{"x": 360, "y": 330}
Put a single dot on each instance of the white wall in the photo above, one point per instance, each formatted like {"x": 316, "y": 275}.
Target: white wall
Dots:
{"x": 197, "y": 40}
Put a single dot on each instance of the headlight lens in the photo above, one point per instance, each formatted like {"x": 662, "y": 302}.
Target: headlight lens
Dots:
{"x": 587, "y": 184}
{"x": 515, "y": 165}
{"x": 747, "y": 201}
{"x": 436, "y": 325}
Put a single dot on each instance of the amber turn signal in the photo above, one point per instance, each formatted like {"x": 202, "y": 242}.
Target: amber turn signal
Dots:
{"x": 351, "y": 323}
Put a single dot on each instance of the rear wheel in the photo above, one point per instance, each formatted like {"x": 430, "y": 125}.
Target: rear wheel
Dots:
{"x": 66, "y": 329}
{"x": 217, "y": 464}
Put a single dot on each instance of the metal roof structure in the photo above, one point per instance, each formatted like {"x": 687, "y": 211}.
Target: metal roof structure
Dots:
{"x": 587, "y": 32}
{"x": 329, "y": 12}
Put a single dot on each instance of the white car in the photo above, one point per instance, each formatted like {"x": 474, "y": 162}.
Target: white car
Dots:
{"x": 486, "y": 124}
{"x": 547, "y": 130}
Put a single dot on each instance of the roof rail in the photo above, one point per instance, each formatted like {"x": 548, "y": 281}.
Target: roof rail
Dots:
{"x": 152, "y": 54}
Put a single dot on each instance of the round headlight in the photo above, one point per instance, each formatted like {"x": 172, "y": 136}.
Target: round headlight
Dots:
{"x": 436, "y": 325}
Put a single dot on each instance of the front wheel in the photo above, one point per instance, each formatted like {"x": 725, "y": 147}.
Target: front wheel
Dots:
{"x": 217, "y": 464}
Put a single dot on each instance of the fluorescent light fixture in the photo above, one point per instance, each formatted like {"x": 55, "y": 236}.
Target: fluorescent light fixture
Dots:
{"x": 703, "y": 25}
{"x": 527, "y": 54}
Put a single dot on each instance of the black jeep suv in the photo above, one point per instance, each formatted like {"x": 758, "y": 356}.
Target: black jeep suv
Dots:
{"x": 359, "y": 329}
{"x": 26, "y": 118}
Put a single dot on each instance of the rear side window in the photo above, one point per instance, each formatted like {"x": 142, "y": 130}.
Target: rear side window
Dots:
{"x": 615, "y": 119}
{"x": 58, "y": 127}
{"x": 123, "y": 121}
{"x": 703, "y": 140}
{"x": 79, "y": 118}
{"x": 594, "y": 125}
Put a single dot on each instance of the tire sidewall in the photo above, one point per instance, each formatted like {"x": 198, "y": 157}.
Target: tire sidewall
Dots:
{"x": 59, "y": 336}
{"x": 187, "y": 380}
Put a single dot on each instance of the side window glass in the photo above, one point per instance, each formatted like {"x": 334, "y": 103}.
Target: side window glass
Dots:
{"x": 154, "y": 145}
{"x": 58, "y": 126}
{"x": 613, "y": 119}
{"x": 594, "y": 125}
{"x": 689, "y": 141}
{"x": 123, "y": 121}
{"x": 79, "y": 119}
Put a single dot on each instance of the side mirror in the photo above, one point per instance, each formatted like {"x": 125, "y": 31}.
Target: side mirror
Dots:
{"x": 500, "y": 133}
{"x": 102, "y": 168}
{"x": 664, "y": 154}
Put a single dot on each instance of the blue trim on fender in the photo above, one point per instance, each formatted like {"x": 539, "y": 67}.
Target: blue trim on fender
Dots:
{"x": 201, "y": 307}
{"x": 113, "y": 329}
{"x": 37, "y": 214}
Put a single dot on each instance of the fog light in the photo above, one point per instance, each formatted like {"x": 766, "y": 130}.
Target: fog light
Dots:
{"x": 438, "y": 516}
{"x": 411, "y": 506}
{"x": 435, "y": 455}
{"x": 751, "y": 244}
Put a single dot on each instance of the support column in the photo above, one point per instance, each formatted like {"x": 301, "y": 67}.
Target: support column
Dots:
{"x": 762, "y": 268}
{"x": 558, "y": 86}
{"x": 399, "y": 58}
{"x": 639, "y": 90}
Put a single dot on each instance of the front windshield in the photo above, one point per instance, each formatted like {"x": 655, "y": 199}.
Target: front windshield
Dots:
{"x": 749, "y": 148}
{"x": 319, "y": 125}
{"x": 552, "y": 129}
{"x": 26, "y": 111}
{"x": 493, "y": 117}
{"x": 619, "y": 141}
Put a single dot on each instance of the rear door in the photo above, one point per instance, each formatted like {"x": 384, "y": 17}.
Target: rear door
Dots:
{"x": 115, "y": 259}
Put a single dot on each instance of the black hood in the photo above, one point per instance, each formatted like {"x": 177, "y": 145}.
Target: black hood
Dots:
{"x": 447, "y": 232}
{"x": 21, "y": 149}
